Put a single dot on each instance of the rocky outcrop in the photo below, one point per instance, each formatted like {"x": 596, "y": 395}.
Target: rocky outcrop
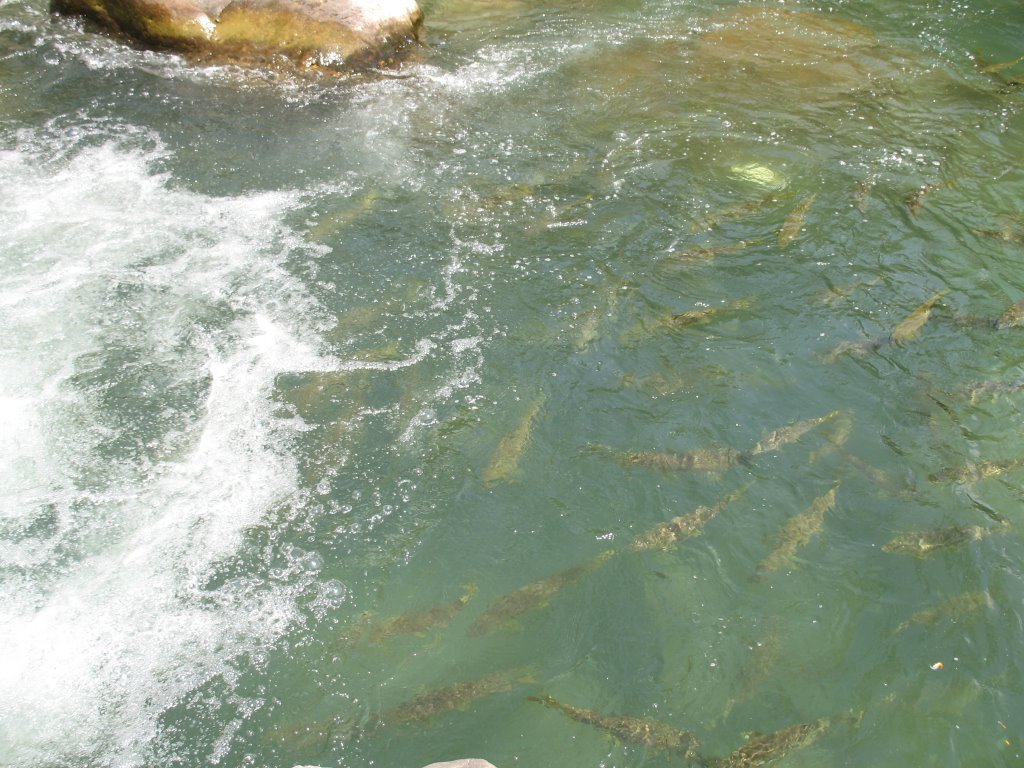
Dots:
{"x": 337, "y": 34}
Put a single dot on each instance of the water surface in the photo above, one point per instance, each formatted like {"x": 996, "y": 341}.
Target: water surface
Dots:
{"x": 282, "y": 359}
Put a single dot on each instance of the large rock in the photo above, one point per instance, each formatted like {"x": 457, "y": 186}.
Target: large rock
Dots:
{"x": 310, "y": 33}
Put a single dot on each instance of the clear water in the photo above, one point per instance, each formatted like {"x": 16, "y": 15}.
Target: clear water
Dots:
{"x": 278, "y": 356}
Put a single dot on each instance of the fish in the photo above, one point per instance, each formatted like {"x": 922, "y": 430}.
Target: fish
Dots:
{"x": 855, "y": 348}
{"x": 332, "y": 223}
{"x": 924, "y": 543}
{"x": 953, "y": 608}
{"x": 456, "y": 696}
{"x": 835, "y": 437}
{"x": 511, "y": 448}
{"x": 705, "y": 253}
{"x": 589, "y": 329}
{"x": 561, "y": 215}
{"x": 762, "y": 750}
{"x": 973, "y": 472}
{"x": 668, "y": 534}
{"x": 790, "y": 433}
{"x": 975, "y": 393}
{"x": 835, "y": 293}
{"x": 915, "y": 200}
{"x": 991, "y": 69}
{"x": 1011, "y": 318}
{"x": 798, "y": 531}
{"x": 735, "y": 211}
{"x": 682, "y": 319}
{"x": 765, "y": 655}
{"x": 910, "y": 328}
{"x": 794, "y": 222}
{"x": 1012, "y": 235}
{"x": 879, "y": 477}
{"x": 414, "y": 623}
{"x": 653, "y": 734}
{"x": 862, "y": 193}
{"x": 703, "y": 460}
{"x": 532, "y": 596}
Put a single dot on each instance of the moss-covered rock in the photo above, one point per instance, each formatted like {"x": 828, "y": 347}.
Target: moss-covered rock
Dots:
{"x": 338, "y": 34}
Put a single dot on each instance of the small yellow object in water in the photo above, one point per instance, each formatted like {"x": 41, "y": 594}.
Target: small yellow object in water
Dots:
{"x": 758, "y": 174}
{"x": 937, "y": 665}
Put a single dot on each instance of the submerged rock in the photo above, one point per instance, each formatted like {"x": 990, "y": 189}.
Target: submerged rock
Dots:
{"x": 309, "y": 33}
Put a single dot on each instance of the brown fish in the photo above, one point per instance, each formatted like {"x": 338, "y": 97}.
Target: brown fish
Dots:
{"x": 974, "y": 472}
{"x": 991, "y": 69}
{"x": 855, "y": 348}
{"x": 668, "y": 534}
{"x": 790, "y": 433}
{"x": 511, "y": 448}
{"x": 764, "y": 657}
{"x": 650, "y": 733}
{"x": 735, "y": 211}
{"x": 705, "y": 253}
{"x": 987, "y": 390}
{"x": 953, "y": 608}
{"x": 915, "y": 201}
{"x": 765, "y": 749}
{"x": 924, "y": 543}
{"x": 835, "y": 437}
{"x": 533, "y": 596}
{"x": 415, "y": 623}
{"x": 704, "y": 460}
{"x": 1011, "y": 318}
{"x": 332, "y": 223}
{"x": 910, "y": 328}
{"x": 455, "y": 696}
{"x": 1012, "y": 235}
{"x": 794, "y": 222}
{"x": 862, "y": 193}
{"x": 799, "y": 530}
{"x": 879, "y": 477}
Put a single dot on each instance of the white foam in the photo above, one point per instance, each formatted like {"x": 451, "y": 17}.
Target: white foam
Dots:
{"x": 105, "y": 617}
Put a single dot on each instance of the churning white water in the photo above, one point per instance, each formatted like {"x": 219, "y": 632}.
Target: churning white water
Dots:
{"x": 113, "y": 527}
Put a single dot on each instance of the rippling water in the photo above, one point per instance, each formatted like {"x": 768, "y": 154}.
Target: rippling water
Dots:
{"x": 283, "y": 360}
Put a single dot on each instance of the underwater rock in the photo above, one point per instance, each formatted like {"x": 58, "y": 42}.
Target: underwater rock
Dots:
{"x": 771, "y": 50}
{"x": 333, "y": 34}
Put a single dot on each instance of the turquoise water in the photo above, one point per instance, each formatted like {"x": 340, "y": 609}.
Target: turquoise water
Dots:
{"x": 283, "y": 359}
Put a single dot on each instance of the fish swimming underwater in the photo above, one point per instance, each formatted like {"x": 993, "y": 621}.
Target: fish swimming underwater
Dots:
{"x": 794, "y": 222}
{"x": 666, "y": 535}
{"x": 910, "y": 327}
{"x": 510, "y": 450}
{"x": 954, "y": 608}
{"x": 926, "y": 542}
{"x": 650, "y": 733}
{"x": 413, "y": 623}
{"x": 905, "y": 331}
{"x": 703, "y": 460}
{"x": 790, "y": 433}
{"x": 762, "y": 750}
{"x": 972, "y": 472}
{"x": 455, "y": 696}
{"x": 532, "y": 596}
{"x": 799, "y": 530}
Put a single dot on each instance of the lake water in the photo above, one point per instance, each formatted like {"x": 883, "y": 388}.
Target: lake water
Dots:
{"x": 283, "y": 359}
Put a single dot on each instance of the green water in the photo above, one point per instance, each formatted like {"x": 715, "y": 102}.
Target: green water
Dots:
{"x": 282, "y": 358}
